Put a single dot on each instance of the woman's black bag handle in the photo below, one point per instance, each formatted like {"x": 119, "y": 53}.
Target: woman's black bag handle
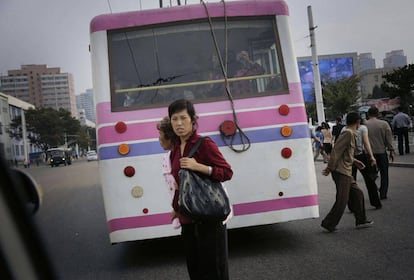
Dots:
{"x": 196, "y": 146}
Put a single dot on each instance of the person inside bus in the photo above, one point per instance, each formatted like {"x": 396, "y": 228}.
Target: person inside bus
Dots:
{"x": 167, "y": 140}
{"x": 247, "y": 68}
{"x": 218, "y": 89}
{"x": 205, "y": 243}
{"x": 340, "y": 166}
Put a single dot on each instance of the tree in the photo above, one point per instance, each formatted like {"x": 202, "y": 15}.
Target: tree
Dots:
{"x": 400, "y": 83}
{"x": 87, "y": 138}
{"x": 311, "y": 110}
{"x": 46, "y": 127}
{"x": 339, "y": 96}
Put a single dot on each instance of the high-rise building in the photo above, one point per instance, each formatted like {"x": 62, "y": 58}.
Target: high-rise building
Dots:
{"x": 85, "y": 101}
{"x": 41, "y": 86}
{"x": 395, "y": 58}
{"x": 366, "y": 61}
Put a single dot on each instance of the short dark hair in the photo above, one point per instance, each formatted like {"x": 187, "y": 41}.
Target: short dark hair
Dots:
{"x": 373, "y": 111}
{"x": 165, "y": 126}
{"x": 183, "y": 104}
{"x": 352, "y": 118}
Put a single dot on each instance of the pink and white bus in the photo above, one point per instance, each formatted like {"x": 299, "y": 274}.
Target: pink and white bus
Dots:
{"x": 235, "y": 62}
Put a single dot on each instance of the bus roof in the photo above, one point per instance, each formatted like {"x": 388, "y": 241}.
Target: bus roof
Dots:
{"x": 188, "y": 12}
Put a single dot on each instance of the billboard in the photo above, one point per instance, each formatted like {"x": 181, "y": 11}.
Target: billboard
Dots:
{"x": 330, "y": 67}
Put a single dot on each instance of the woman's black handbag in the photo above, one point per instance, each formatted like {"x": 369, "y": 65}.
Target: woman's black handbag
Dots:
{"x": 202, "y": 199}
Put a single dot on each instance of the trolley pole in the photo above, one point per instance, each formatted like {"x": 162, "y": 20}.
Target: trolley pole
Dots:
{"x": 316, "y": 75}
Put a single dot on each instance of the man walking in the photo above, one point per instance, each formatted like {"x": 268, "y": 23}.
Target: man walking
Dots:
{"x": 363, "y": 153}
{"x": 380, "y": 138}
{"x": 401, "y": 123}
{"x": 347, "y": 191}
{"x": 336, "y": 129}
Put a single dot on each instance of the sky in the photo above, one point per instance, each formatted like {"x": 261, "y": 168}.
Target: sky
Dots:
{"x": 56, "y": 32}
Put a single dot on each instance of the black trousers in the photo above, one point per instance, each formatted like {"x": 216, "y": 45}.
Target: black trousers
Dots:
{"x": 402, "y": 135}
{"x": 206, "y": 250}
{"x": 369, "y": 173}
{"x": 383, "y": 164}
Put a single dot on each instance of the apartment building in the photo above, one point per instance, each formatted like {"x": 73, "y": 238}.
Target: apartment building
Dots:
{"x": 10, "y": 148}
{"x": 41, "y": 86}
{"x": 395, "y": 59}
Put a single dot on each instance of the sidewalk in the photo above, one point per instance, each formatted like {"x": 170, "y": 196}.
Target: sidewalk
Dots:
{"x": 406, "y": 160}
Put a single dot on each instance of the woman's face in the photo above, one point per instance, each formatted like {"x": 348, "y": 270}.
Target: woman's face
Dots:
{"x": 165, "y": 144}
{"x": 182, "y": 124}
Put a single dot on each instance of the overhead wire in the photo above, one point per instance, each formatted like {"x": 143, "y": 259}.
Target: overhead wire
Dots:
{"x": 244, "y": 139}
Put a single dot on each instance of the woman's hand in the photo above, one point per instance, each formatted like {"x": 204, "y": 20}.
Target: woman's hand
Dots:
{"x": 189, "y": 163}
{"x": 192, "y": 164}
{"x": 174, "y": 215}
{"x": 359, "y": 164}
{"x": 326, "y": 171}
{"x": 373, "y": 161}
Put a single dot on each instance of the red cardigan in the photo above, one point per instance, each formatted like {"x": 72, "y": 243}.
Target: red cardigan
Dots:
{"x": 208, "y": 154}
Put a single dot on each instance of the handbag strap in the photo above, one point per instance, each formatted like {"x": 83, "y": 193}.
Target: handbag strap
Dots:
{"x": 195, "y": 148}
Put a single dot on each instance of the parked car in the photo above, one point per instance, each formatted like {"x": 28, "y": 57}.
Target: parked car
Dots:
{"x": 91, "y": 155}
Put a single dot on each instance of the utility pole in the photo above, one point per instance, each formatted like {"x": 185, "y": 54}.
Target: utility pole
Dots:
{"x": 316, "y": 75}
{"x": 24, "y": 136}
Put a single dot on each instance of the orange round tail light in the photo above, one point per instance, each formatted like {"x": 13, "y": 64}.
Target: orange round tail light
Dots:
{"x": 286, "y": 131}
{"x": 123, "y": 149}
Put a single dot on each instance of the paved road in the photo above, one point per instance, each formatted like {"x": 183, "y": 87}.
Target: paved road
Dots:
{"x": 73, "y": 225}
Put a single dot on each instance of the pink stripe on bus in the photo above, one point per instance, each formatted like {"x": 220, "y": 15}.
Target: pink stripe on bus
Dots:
{"x": 104, "y": 114}
{"x": 239, "y": 210}
{"x": 139, "y": 221}
{"x": 184, "y": 13}
{"x": 274, "y": 205}
{"x": 140, "y": 131}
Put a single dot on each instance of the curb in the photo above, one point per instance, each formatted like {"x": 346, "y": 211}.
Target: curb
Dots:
{"x": 401, "y": 164}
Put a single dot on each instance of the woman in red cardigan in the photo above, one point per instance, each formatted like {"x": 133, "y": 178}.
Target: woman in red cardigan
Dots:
{"x": 205, "y": 243}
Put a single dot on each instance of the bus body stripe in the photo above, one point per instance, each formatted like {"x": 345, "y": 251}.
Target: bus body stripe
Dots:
{"x": 105, "y": 115}
{"x": 274, "y": 204}
{"x": 255, "y": 136}
{"x": 191, "y": 12}
{"x": 139, "y": 221}
{"x": 142, "y": 131}
{"x": 238, "y": 210}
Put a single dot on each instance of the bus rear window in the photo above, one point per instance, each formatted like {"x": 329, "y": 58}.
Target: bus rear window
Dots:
{"x": 152, "y": 66}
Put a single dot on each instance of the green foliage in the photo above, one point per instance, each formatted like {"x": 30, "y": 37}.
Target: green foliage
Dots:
{"x": 46, "y": 127}
{"x": 339, "y": 96}
{"x": 87, "y": 138}
{"x": 400, "y": 83}
{"x": 311, "y": 111}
